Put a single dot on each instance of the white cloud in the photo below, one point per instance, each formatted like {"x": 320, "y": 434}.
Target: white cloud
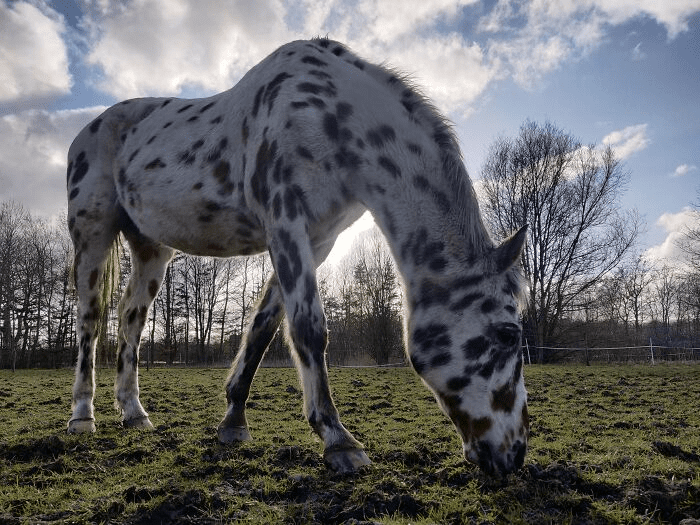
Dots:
{"x": 33, "y": 149}
{"x": 390, "y": 20}
{"x": 455, "y": 80}
{"x": 675, "y": 224}
{"x": 683, "y": 169}
{"x": 637, "y": 53}
{"x": 673, "y": 15}
{"x": 160, "y": 47}
{"x": 533, "y": 38}
{"x": 627, "y": 141}
{"x": 33, "y": 57}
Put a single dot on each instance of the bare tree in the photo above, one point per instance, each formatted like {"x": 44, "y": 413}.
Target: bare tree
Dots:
{"x": 569, "y": 195}
{"x": 377, "y": 285}
{"x": 664, "y": 293}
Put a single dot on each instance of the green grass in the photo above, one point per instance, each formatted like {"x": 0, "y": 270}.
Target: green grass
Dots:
{"x": 616, "y": 444}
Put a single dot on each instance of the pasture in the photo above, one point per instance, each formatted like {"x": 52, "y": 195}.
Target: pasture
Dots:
{"x": 609, "y": 444}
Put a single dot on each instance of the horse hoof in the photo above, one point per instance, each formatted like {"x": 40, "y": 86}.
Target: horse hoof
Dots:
{"x": 345, "y": 461}
{"x": 81, "y": 426}
{"x": 233, "y": 434}
{"x": 138, "y": 422}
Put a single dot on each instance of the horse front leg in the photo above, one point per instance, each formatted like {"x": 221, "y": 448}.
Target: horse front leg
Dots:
{"x": 294, "y": 263}
{"x": 266, "y": 319}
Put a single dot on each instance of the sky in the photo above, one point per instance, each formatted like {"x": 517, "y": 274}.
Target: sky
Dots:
{"x": 624, "y": 73}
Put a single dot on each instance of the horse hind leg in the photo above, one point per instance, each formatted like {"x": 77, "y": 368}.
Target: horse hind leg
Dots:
{"x": 266, "y": 319}
{"x": 89, "y": 267}
{"x": 149, "y": 261}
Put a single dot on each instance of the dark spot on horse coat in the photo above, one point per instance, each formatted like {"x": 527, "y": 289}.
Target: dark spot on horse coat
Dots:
{"x": 289, "y": 266}
{"x": 422, "y": 183}
{"x": 167, "y": 125}
{"x": 330, "y": 126}
{"x": 316, "y": 102}
{"x": 503, "y": 398}
{"x": 245, "y": 132}
{"x": 414, "y": 148}
{"x": 95, "y": 125}
{"x": 380, "y": 136}
{"x": 343, "y": 111}
{"x": 222, "y": 173}
{"x": 441, "y": 359}
{"x": 304, "y": 153}
{"x": 489, "y": 305}
{"x": 187, "y": 157}
{"x": 207, "y": 106}
{"x": 317, "y": 89}
{"x": 417, "y": 364}
{"x": 418, "y": 248}
{"x": 487, "y": 368}
{"x": 73, "y": 194}
{"x": 432, "y": 336}
{"x": 346, "y": 158}
{"x": 466, "y": 301}
{"x": 265, "y": 156}
{"x": 458, "y": 383}
{"x": 272, "y": 91}
{"x": 277, "y": 206}
{"x": 153, "y": 287}
{"x": 184, "y": 108}
{"x": 81, "y": 168}
{"x": 314, "y": 61}
{"x": 155, "y": 163}
{"x": 389, "y": 166}
{"x": 216, "y": 153}
{"x": 432, "y": 293}
{"x": 257, "y": 99}
{"x": 409, "y": 105}
{"x": 93, "y": 279}
{"x": 475, "y": 347}
{"x": 321, "y": 75}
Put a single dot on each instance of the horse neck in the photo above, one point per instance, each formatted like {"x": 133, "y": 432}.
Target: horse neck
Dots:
{"x": 433, "y": 227}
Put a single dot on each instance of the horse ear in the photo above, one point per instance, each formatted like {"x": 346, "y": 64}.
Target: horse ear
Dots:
{"x": 508, "y": 253}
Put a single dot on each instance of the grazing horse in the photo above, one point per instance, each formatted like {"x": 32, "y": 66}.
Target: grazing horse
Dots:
{"x": 284, "y": 161}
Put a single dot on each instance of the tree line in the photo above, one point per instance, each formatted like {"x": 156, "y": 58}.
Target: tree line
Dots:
{"x": 588, "y": 285}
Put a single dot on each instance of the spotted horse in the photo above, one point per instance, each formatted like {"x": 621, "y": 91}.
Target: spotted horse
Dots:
{"x": 284, "y": 161}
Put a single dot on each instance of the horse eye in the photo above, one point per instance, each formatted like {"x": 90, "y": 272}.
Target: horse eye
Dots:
{"x": 508, "y": 334}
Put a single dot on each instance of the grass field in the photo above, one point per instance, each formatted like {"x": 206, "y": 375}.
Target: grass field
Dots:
{"x": 617, "y": 444}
